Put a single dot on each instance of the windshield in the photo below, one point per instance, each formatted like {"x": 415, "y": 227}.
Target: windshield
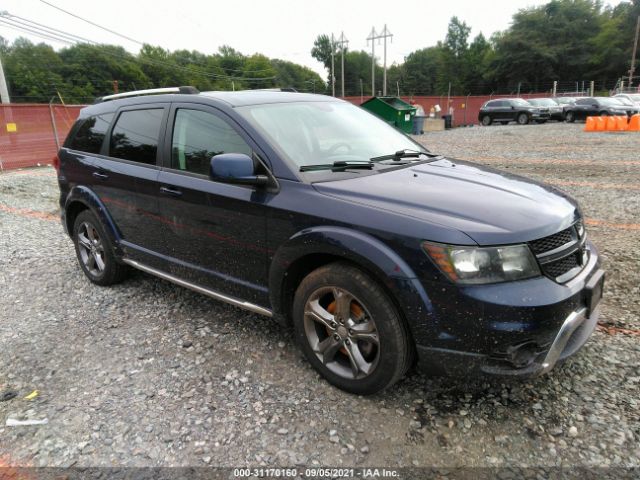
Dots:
{"x": 543, "y": 102}
{"x": 310, "y": 133}
{"x": 610, "y": 102}
{"x": 520, "y": 101}
{"x": 624, "y": 101}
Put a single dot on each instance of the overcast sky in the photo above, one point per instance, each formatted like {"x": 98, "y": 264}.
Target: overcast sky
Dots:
{"x": 277, "y": 28}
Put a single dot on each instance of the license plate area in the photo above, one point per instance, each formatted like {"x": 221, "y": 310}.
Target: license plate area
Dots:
{"x": 593, "y": 291}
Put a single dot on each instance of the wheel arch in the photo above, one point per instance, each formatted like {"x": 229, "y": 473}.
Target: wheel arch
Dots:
{"x": 313, "y": 248}
{"x": 81, "y": 198}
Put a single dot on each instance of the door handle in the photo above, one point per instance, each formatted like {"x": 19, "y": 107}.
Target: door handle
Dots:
{"x": 100, "y": 175}
{"x": 171, "y": 191}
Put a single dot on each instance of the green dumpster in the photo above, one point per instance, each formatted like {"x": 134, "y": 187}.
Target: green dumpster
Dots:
{"x": 394, "y": 111}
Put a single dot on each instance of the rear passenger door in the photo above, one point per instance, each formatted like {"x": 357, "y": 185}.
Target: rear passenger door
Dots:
{"x": 126, "y": 174}
{"x": 215, "y": 233}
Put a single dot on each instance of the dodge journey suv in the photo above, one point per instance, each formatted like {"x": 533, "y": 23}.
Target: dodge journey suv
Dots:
{"x": 379, "y": 253}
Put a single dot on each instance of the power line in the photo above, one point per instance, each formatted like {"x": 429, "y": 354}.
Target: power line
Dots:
{"x": 65, "y": 37}
{"x": 93, "y": 23}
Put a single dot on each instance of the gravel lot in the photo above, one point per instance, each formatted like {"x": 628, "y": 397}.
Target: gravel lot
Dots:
{"x": 149, "y": 374}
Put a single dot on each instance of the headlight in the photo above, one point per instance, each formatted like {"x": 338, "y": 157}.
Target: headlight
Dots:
{"x": 476, "y": 265}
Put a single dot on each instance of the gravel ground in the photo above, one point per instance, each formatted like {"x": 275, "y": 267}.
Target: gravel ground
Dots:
{"x": 149, "y": 374}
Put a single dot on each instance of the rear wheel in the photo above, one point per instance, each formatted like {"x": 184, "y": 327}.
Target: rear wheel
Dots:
{"x": 486, "y": 120}
{"x": 349, "y": 329}
{"x": 95, "y": 252}
{"x": 523, "y": 118}
{"x": 569, "y": 117}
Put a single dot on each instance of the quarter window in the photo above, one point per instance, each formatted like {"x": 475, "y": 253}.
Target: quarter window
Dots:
{"x": 91, "y": 133}
{"x": 135, "y": 135}
{"x": 198, "y": 136}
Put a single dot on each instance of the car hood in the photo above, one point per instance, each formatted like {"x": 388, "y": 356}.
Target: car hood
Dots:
{"x": 490, "y": 206}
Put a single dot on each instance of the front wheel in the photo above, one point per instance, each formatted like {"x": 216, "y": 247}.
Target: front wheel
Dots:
{"x": 486, "y": 120}
{"x": 349, "y": 329}
{"x": 569, "y": 117}
{"x": 523, "y": 119}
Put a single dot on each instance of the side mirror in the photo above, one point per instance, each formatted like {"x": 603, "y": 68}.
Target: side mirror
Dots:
{"x": 235, "y": 168}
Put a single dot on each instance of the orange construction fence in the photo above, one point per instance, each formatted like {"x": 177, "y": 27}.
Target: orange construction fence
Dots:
{"x": 27, "y": 135}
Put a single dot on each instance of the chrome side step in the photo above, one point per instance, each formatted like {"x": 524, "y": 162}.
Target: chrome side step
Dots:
{"x": 205, "y": 291}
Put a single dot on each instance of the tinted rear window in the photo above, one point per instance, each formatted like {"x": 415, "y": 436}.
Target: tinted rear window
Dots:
{"x": 135, "y": 135}
{"x": 90, "y": 135}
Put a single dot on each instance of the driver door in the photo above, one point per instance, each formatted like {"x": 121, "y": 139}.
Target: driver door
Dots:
{"x": 214, "y": 234}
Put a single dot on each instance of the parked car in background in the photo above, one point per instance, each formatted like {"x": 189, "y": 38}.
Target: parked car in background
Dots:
{"x": 505, "y": 110}
{"x": 594, "y": 106}
{"x": 313, "y": 211}
{"x": 555, "y": 110}
{"x": 565, "y": 101}
{"x": 631, "y": 97}
{"x": 629, "y": 104}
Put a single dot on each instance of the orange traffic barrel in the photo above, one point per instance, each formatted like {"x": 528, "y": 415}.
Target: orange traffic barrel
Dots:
{"x": 590, "y": 125}
{"x": 601, "y": 124}
{"x": 621, "y": 123}
{"x": 611, "y": 123}
{"x": 634, "y": 123}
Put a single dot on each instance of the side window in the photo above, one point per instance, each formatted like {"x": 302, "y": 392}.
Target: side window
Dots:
{"x": 91, "y": 133}
{"x": 135, "y": 135}
{"x": 198, "y": 136}
{"x": 584, "y": 101}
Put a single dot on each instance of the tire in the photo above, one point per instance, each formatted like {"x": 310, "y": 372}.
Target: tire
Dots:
{"x": 350, "y": 331}
{"x": 569, "y": 117}
{"x": 486, "y": 120}
{"x": 522, "y": 119}
{"x": 95, "y": 251}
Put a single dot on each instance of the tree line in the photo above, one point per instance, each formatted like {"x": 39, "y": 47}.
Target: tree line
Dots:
{"x": 37, "y": 73}
{"x": 564, "y": 40}
{"x": 568, "y": 41}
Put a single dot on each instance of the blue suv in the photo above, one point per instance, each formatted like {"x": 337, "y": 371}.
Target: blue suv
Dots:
{"x": 308, "y": 209}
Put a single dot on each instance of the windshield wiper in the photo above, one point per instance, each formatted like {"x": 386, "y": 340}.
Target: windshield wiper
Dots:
{"x": 338, "y": 165}
{"x": 400, "y": 154}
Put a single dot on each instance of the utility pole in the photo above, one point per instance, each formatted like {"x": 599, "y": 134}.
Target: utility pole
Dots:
{"x": 333, "y": 67}
{"x": 633, "y": 55}
{"x": 342, "y": 41}
{"x": 4, "y": 91}
{"x": 373, "y": 36}
{"x": 592, "y": 88}
{"x": 555, "y": 88}
{"x": 361, "y": 91}
{"x": 384, "y": 34}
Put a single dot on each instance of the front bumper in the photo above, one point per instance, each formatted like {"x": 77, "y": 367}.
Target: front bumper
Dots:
{"x": 522, "y": 329}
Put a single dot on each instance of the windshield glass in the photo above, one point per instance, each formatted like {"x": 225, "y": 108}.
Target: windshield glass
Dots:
{"x": 624, "y": 101}
{"x": 520, "y": 101}
{"x": 543, "y": 102}
{"x": 610, "y": 102}
{"x": 310, "y": 133}
{"x": 635, "y": 97}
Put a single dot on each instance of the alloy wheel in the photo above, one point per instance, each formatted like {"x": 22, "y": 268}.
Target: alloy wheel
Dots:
{"x": 341, "y": 332}
{"x": 91, "y": 249}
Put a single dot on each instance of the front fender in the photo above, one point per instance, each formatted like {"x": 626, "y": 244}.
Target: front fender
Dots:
{"x": 87, "y": 197}
{"x": 359, "y": 248}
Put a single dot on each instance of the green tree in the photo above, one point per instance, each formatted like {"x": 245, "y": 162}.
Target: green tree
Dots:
{"x": 32, "y": 72}
{"x": 258, "y": 72}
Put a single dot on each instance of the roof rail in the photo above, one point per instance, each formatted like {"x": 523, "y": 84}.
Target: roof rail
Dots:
{"x": 151, "y": 91}
{"x": 276, "y": 89}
